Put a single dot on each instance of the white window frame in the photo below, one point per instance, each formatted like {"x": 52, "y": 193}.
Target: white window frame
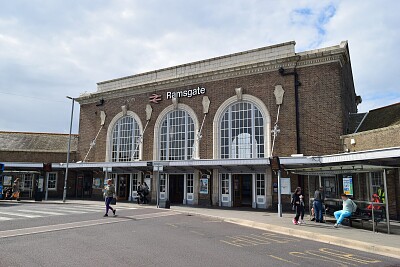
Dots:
{"x": 48, "y": 180}
{"x": 177, "y": 127}
{"x": 110, "y": 130}
{"x": 221, "y": 112}
{"x": 373, "y": 178}
{"x": 157, "y": 129}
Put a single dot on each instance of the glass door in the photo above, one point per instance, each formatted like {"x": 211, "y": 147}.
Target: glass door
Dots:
{"x": 237, "y": 190}
{"x": 122, "y": 186}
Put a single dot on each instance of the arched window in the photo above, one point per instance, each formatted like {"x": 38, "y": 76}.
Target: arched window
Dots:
{"x": 242, "y": 132}
{"x": 177, "y": 136}
{"x": 125, "y": 140}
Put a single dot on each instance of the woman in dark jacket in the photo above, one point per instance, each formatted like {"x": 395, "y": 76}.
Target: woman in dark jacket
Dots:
{"x": 298, "y": 205}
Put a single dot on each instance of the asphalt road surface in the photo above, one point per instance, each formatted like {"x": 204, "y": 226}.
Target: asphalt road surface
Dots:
{"x": 72, "y": 235}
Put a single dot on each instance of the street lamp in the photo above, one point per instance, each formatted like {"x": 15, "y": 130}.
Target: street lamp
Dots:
{"x": 69, "y": 149}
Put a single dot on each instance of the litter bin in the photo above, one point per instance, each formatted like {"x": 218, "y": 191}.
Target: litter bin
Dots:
{"x": 164, "y": 204}
{"x": 38, "y": 196}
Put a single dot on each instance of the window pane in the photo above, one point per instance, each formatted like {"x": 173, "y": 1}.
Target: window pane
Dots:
{"x": 125, "y": 140}
{"x": 242, "y": 132}
{"x": 177, "y": 136}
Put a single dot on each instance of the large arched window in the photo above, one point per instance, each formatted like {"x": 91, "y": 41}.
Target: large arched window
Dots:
{"x": 125, "y": 140}
{"x": 242, "y": 132}
{"x": 177, "y": 136}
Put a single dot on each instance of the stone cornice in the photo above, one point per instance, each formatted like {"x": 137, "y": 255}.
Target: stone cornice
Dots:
{"x": 339, "y": 55}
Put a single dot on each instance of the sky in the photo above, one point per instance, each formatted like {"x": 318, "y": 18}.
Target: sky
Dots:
{"x": 50, "y": 49}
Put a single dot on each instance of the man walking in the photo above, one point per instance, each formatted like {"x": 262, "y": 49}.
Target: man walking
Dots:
{"x": 319, "y": 198}
{"x": 109, "y": 194}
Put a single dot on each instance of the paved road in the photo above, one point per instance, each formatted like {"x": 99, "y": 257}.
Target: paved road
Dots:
{"x": 150, "y": 237}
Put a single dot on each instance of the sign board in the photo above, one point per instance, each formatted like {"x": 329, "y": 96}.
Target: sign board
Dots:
{"x": 96, "y": 183}
{"x": 285, "y": 186}
{"x": 275, "y": 163}
{"x": 204, "y": 186}
{"x": 158, "y": 168}
{"x": 348, "y": 185}
{"x": 7, "y": 180}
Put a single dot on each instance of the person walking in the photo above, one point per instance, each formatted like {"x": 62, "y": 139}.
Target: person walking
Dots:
{"x": 109, "y": 194}
{"x": 319, "y": 198}
{"x": 348, "y": 208}
{"x": 298, "y": 204}
{"x": 146, "y": 192}
{"x": 15, "y": 189}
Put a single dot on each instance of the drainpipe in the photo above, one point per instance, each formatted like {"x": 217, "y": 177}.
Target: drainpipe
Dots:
{"x": 297, "y": 83}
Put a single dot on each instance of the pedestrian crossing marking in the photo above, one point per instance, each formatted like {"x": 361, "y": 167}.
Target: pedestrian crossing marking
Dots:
{"x": 21, "y": 214}
{"x": 5, "y": 218}
{"x": 9, "y": 214}
{"x": 41, "y": 212}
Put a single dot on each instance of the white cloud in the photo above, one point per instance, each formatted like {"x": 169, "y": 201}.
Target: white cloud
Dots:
{"x": 57, "y": 48}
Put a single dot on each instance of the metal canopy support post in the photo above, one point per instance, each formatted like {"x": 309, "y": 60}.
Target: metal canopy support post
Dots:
{"x": 158, "y": 189}
{"x": 279, "y": 194}
{"x": 386, "y": 202}
{"x": 47, "y": 187}
{"x": 69, "y": 150}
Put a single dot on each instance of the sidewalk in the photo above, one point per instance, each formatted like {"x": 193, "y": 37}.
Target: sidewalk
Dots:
{"x": 365, "y": 240}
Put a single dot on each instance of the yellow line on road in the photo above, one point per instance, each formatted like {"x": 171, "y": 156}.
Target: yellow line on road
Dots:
{"x": 281, "y": 259}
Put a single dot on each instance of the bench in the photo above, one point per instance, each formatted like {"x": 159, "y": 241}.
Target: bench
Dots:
{"x": 363, "y": 215}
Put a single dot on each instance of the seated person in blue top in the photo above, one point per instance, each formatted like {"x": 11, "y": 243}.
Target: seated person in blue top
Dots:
{"x": 348, "y": 208}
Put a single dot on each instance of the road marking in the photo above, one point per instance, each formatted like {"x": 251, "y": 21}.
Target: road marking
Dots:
{"x": 42, "y": 212}
{"x": 83, "y": 210}
{"x": 5, "y": 219}
{"x": 197, "y": 233}
{"x": 347, "y": 256}
{"x": 172, "y": 225}
{"x": 152, "y": 215}
{"x": 255, "y": 240}
{"x": 72, "y": 210}
{"x": 21, "y": 215}
{"x": 73, "y": 225}
{"x": 281, "y": 259}
{"x": 320, "y": 258}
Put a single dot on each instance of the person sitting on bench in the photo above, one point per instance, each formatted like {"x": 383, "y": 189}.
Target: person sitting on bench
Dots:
{"x": 348, "y": 208}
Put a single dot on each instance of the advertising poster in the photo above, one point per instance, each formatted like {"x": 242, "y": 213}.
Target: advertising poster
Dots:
{"x": 348, "y": 186}
{"x": 203, "y": 186}
{"x": 96, "y": 183}
{"x": 285, "y": 186}
{"x": 7, "y": 180}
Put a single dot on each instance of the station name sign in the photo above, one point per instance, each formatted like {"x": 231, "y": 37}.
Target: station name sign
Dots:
{"x": 187, "y": 93}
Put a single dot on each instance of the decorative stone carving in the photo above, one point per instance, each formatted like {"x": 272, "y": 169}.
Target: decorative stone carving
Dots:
{"x": 206, "y": 104}
{"x": 239, "y": 93}
{"x": 279, "y": 92}
{"x": 124, "y": 110}
{"x": 175, "y": 102}
{"x": 149, "y": 110}
{"x": 102, "y": 117}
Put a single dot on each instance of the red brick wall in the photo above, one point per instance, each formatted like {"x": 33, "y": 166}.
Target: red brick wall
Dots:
{"x": 322, "y": 111}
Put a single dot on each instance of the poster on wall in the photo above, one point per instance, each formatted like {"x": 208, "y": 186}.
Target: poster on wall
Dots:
{"x": 96, "y": 183}
{"x": 204, "y": 186}
{"x": 348, "y": 186}
{"x": 285, "y": 186}
{"x": 7, "y": 180}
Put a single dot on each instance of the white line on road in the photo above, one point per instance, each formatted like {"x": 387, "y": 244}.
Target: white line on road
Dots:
{"x": 42, "y": 212}
{"x": 73, "y": 225}
{"x": 5, "y": 219}
{"x": 21, "y": 215}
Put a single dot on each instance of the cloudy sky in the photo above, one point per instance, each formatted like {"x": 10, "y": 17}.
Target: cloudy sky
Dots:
{"x": 54, "y": 48}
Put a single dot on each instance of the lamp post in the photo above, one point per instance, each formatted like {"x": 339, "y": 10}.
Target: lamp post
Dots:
{"x": 69, "y": 149}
